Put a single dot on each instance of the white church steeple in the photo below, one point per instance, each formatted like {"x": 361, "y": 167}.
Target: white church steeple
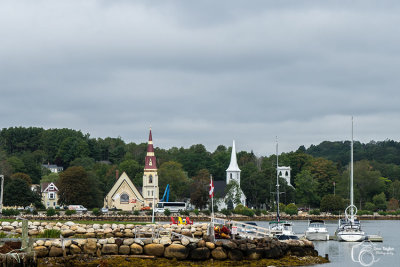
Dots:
{"x": 233, "y": 171}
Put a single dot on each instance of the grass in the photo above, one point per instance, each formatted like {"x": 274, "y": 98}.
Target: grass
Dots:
{"x": 50, "y": 233}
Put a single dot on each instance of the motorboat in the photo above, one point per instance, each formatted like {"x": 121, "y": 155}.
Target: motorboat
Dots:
{"x": 317, "y": 231}
{"x": 349, "y": 228}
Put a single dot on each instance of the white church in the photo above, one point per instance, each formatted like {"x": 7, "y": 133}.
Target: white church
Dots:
{"x": 230, "y": 198}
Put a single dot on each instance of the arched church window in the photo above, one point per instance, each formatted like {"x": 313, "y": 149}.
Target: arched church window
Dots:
{"x": 231, "y": 175}
{"x": 124, "y": 198}
{"x": 150, "y": 179}
{"x": 150, "y": 162}
{"x": 286, "y": 173}
{"x": 280, "y": 173}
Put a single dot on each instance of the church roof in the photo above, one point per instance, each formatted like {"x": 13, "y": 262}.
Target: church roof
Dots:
{"x": 233, "y": 166}
{"x": 124, "y": 179}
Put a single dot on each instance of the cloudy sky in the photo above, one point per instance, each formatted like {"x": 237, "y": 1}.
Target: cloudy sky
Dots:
{"x": 203, "y": 71}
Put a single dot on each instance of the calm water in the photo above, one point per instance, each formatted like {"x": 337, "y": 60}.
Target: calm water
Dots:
{"x": 340, "y": 252}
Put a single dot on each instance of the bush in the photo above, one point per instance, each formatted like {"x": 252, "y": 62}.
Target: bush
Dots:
{"x": 257, "y": 212}
{"x": 184, "y": 212}
{"x": 240, "y": 209}
{"x": 226, "y": 212}
{"x": 167, "y": 212}
{"x": 206, "y": 212}
{"x": 384, "y": 213}
{"x": 96, "y": 212}
{"x": 370, "y": 206}
{"x": 149, "y": 212}
{"x": 291, "y": 209}
{"x": 70, "y": 212}
{"x": 196, "y": 211}
{"x": 50, "y": 212}
{"x": 123, "y": 213}
{"x": 10, "y": 212}
{"x": 364, "y": 212}
{"x": 264, "y": 212}
{"x": 50, "y": 233}
{"x": 136, "y": 212}
{"x": 315, "y": 212}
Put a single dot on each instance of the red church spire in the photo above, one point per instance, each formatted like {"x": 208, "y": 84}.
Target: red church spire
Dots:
{"x": 150, "y": 160}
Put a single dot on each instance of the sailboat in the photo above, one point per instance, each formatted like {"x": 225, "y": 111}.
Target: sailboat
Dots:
{"x": 349, "y": 228}
{"x": 282, "y": 230}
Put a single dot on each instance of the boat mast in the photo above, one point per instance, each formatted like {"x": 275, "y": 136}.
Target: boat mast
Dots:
{"x": 277, "y": 182}
{"x": 351, "y": 175}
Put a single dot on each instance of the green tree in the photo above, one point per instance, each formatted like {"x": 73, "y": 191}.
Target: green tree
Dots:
{"x": 394, "y": 190}
{"x": 17, "y": 164}
{"x": 18, "y": 193}
{"x": 76, "y": 187}
{"x": 50, "y": 178}
{"x": 232, "y": 193}
{"x": 133, "y": 170}
{"x": 85, "y": 162}
{"x": 199, "y": 194}
{"x": 380, "y": 201}
{"x": 172, "y": 173}
{"x": 332, "y": 203}
{"x": 291, "y": 209}
{"x": 393, "y": 204}
{"x": 72, "y": 148}
{"x": 307, "y": 189}
{"x": 22, "y": 176}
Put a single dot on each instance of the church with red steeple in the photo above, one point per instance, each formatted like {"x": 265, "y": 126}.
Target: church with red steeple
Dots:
{"x": 150, "y": 188}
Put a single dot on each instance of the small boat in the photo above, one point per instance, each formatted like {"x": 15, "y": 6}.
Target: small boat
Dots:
{"x": 317, "y": 231}
{"x": 249, "y": 229}
{"x": 349, "y": 228}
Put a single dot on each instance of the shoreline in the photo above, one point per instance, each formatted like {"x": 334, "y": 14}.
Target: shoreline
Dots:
{"x": 199, "y": 218}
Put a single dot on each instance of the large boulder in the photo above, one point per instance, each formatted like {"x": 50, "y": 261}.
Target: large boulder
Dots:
{"x": 128, "y": 241}
{"x": 136, "y": 249}
{"x": 154, "y": 250}
{"x": 55, "y": 251}
{"x": 235, "y": 255}
{"x": 138, "y": 241}
{"x": 176, "y": 251}
{"x": 74, "y": 249}
{"x": 67, "y": 233}
{"x": 165, "y": 241}
{"x": 90, "y": 247}
{"x": 210, "y": 245}
{"x": 124, "y": 250}
{"x": 200, "y": 254}
{"x": 41, "y": 251}
{"x": 227, "y": 244}
{"x": 110, "y": 249}
{"x": 219, "y": 254}
{"x": 255, "y": 254}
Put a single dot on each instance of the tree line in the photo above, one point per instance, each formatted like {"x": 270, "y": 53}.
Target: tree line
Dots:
{"x": 90, "y": 166}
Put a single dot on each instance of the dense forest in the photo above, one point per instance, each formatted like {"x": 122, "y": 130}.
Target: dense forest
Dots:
{"x": 317, "y": 172}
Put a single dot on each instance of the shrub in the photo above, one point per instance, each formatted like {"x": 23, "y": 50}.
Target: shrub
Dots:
{"x": 149, "y": 212}
{"x": 184, "y": 212}
{"x": 206, "y": 212}
{"x": 248, "y": 212}
{"x": 167, "y": 212}
{"x": 50, "y": 233}
{"x": 196, "y": 211}
{"x": 136, "y": 212}
{"x": 382, "y": 213}
{"x": 240, "y": 209}
{"x": 364, "y": 212}
{"x": 264, "y": 212}
{"x": 96, "y": 212}
{"x": 10, "y": 212}
{"x": 50, "y": 212}
{"x": 70, "y": 212}
{"x": 370, "y": 206}
{"x": 315, "y": 212}
{"x": 257, "y": 212}
{"x": 123, "y": 212}
{"x": 226, "y": 212}
{"x": 291, "y": 209}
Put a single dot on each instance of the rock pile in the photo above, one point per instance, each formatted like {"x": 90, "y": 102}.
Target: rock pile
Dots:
{"x": 70, "y": 229}
{"x": 174, "y": 248}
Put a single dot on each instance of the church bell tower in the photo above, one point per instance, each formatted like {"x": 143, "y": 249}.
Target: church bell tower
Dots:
{"x": 150, "y": 178}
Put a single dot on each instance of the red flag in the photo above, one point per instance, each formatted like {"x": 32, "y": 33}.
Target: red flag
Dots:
{"x": 211, "y": 192}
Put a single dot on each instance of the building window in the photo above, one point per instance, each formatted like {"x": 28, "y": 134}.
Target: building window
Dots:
{"x": 124, "y": 199}
{"x": 152, "y": 193}
{"x": 150, "y": 162}
{"x": 48, "y": 204}
{"x": 231, "y": 175}
{"x": 148, "y": 193}
{"x": 150, "y": 179}
{"x": 54, "y": 204}
{"x": 150, "y": 204}
{"x": 52, "y": 195}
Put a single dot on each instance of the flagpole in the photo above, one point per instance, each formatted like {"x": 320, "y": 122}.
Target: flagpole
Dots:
{"x": 212, "y": 211}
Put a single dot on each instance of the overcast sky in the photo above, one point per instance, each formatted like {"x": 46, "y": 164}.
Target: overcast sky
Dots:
{"x": 203, "y": 71}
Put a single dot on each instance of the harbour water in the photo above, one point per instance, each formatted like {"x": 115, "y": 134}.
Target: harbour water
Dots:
{"x": 386, "y": 253}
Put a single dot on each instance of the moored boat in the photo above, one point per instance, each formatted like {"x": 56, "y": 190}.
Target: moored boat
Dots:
{"x": 317, "y": 231}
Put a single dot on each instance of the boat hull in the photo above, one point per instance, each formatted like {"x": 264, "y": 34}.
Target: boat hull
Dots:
{"x": 350, "y": 236}
{"x": 317, "y": 236}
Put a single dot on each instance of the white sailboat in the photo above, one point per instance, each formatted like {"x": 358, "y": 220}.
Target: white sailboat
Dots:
{"x": 280, "y": 229}
{"x": 349, "y": 228}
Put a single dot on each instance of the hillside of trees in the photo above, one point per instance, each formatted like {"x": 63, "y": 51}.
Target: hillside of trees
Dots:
{"x": 95, "y": 161}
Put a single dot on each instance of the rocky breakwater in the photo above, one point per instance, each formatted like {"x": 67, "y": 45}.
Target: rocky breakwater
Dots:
{"x": 71, "y": 229}
{"x": 183, "y": 248}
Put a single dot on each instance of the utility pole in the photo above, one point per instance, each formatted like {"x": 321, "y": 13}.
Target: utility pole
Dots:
{"x": 1, "y": 194}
